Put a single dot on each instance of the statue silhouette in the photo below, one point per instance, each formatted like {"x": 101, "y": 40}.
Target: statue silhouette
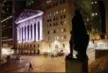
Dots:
{"x": 79, "y": 37}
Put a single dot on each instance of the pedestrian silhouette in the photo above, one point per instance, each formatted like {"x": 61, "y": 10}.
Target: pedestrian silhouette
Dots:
{"x": 30, "y": 66}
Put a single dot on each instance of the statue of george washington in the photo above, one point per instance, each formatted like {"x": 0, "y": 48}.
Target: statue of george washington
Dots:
{"x": 79, "y": 37}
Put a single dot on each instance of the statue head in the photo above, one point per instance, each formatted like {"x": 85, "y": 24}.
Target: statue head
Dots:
{"x": 78, "y": 25}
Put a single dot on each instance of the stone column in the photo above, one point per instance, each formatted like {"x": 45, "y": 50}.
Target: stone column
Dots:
{"x": 41, "y": 31}
{"x": 26, "y": 34}
{"x": 23, "y": 34}
{"x": 36, "y": 31}
{"x": 29, "y": 33}
{"x": 32, "y": 31}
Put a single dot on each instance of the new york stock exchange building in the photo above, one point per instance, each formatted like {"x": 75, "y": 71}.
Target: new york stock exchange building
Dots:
{"x": 29, "y": 32}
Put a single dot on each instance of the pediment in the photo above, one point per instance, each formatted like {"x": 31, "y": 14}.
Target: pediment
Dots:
{"x": 27, "y": 14}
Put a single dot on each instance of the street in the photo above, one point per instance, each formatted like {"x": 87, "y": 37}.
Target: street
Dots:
{"x": 51, "y": 64}
{"x": 44, "y": 64}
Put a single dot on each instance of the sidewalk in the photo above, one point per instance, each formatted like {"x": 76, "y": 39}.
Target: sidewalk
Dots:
{"x": 13, "y": 65}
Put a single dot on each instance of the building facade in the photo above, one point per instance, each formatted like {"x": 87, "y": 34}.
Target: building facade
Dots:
{"x": 57, "y": 25}
{"x": 98, "y": 19}
{"x": 6, "y": 22}
{"x": 106, "y": 7}
{"x": 29, "y": 31}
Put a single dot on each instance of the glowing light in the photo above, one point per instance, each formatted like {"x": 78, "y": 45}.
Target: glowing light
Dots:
{"x": 7, "y": 51}
{"x": 102, "y": 45}
{"x": 95, "y": 2}
{"x": 96, "y": 14}
{"x": 91, "y": 45}
{"x": 92, "y": 14}
{"x": 6, "y": 19}
{"x": 92, "y": 2}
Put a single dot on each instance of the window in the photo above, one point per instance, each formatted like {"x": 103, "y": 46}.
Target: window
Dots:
{"x": 63, "y": 45}
{"x": 48, "y": 32}
{"x": 34, "y": 46}
{"x": 54, "y": 31}
{"x": 56, "y": 23}
{"x": 64, "y": 22}
{"x": 53, "y": 24}
{"x": 56, "y": 12}
{"x": 38, "y": 46}
{"x": 54, "y": 19}
{"x": 57, "y": 37}
{"x": 50, "y": 25}
{"x": 64, "y": 10}
{"x": 63, "y": 37}
{"x": 49, "y": 6}
{"x": 61, "y": 16}
{"x": 47, "y": 20}
{"x": 50, "y": 14}
{"x": 64, "y": 16}
{"x": 61, "y": 22}
{"x": 63, "y": 30}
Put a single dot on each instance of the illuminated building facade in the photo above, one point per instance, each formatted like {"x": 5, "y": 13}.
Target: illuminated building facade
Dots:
{"x": 57, "y": 24}
{"x": 6, "y": 22}
{"x": 29, "y": 31}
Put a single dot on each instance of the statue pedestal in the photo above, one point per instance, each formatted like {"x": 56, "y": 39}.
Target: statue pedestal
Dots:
{"x": 74, "y": 65}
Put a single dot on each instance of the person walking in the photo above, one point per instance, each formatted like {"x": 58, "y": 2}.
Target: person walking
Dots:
{"x": 30, "y": 67}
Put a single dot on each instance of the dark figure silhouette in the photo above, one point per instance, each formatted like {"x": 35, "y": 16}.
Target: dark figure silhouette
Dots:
{"x": 30, "y": 66}
{"x": 79, "y": 36}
